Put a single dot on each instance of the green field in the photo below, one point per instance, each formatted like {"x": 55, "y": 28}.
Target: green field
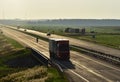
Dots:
{"x": 105, "y": 29}
{"x": 106, "y": 40}
{"x": 45, "y": 29}
{"x": 107, "y": 36}
{"x": 60, "y": 29}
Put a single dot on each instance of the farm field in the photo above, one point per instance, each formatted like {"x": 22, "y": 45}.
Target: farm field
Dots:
{"x": 107, "y": 36}
{"x": 105, "y": 29}
{"x": 106, "y": 40}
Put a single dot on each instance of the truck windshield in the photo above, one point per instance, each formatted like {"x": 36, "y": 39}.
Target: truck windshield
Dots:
{"x": 63, "y": 47}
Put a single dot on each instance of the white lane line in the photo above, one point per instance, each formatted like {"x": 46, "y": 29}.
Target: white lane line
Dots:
{"x": 75, "y": 73}
{"x": 78, "y": 75}
{"x": 62, "y": 65}
{"x": 96, "y": 61}
{"x": 100, "y": 63}
{"x": 92, "y": 71}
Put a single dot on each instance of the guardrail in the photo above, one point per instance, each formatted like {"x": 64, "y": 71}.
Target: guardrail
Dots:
{"x": 104, "y": 56}
{"x": 97, "y": 54}
{"x": 40, "y": 57}
{"x": 44, "y": 60}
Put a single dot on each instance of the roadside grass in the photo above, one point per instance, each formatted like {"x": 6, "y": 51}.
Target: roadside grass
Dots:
{"x": 34, "y": 35}
{"x": 10, "y": 73}
{"x": 52, "y": 29}
{"x": 58, "y": 77}
{"x": 35, "y": 74}
{"x": 13, "y": 42}
{"x": 10, "y": 54}
{"x": 106, "y": 40}
{"x": 107, "y": 36}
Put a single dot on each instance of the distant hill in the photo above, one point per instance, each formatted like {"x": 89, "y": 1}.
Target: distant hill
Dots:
{"x": 65, "y": 22}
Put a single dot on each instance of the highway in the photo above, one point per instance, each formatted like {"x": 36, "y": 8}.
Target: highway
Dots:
{"x": 80, "y": 68}
{"x": 87, "y": 45}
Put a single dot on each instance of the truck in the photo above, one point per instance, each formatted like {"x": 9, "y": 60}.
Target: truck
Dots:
{"x": 59, "y": 49}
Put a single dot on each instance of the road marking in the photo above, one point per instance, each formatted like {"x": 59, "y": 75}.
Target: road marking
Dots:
{"x": 97, "y": 62}
{"x": 92, "y": 71}
{"x": 89, "y": 70}
{"x": 75, "y": 73}
{"x": 79, "y": 75}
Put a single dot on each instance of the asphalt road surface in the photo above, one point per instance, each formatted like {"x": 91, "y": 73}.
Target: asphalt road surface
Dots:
{"x": 80, "y": 68}
{"x": 81, "y": 43}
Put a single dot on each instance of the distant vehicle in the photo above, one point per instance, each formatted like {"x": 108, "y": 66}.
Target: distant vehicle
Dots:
{"x": 18, "y": 27}
{"x": 59, "y": 49}
{"x": 25, "y": 30}
{"x": 48, "y": 34}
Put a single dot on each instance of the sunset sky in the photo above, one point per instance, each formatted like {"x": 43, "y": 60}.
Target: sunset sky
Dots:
{"x": 60, "y": 9}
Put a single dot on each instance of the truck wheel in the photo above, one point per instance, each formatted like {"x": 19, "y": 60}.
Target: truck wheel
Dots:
{"x": 50, "y": 55}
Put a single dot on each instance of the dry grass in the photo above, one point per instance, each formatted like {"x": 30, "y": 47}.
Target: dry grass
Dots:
{"x": 36, "y": 74}
{"x": 5, "y": 47}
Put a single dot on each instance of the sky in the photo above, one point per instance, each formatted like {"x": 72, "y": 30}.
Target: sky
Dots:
{"x": 59, "y": 9}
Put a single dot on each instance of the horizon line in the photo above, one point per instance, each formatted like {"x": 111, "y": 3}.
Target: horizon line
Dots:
{"x": 64, "y": 19}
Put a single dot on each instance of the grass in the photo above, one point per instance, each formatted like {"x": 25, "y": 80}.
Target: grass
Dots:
{"x": 11, "y": 53}
{"x": 32, "y": 74}
{"x": 14, "y": 50}
{"x": 58, "y": 77}
{"x": 34, "y": 35}
{"x": 37, "y": 73}
{"x": 13, "y": 42}
{"x": 105, "y": 29}
{"x": 23, "y": 74}
{"x": 45, "y": 29}
{"x": 108, "y": 36}
{"x": 107, "y": 40}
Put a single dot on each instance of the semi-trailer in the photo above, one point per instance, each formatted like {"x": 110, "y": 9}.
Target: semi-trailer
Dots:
{"x": 59, "y": 48}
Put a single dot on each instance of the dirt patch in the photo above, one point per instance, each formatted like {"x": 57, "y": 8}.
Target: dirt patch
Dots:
{"x": 26, "y": 61}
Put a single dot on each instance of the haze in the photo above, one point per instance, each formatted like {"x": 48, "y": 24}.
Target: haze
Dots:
{"x": 60, "y": 9}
